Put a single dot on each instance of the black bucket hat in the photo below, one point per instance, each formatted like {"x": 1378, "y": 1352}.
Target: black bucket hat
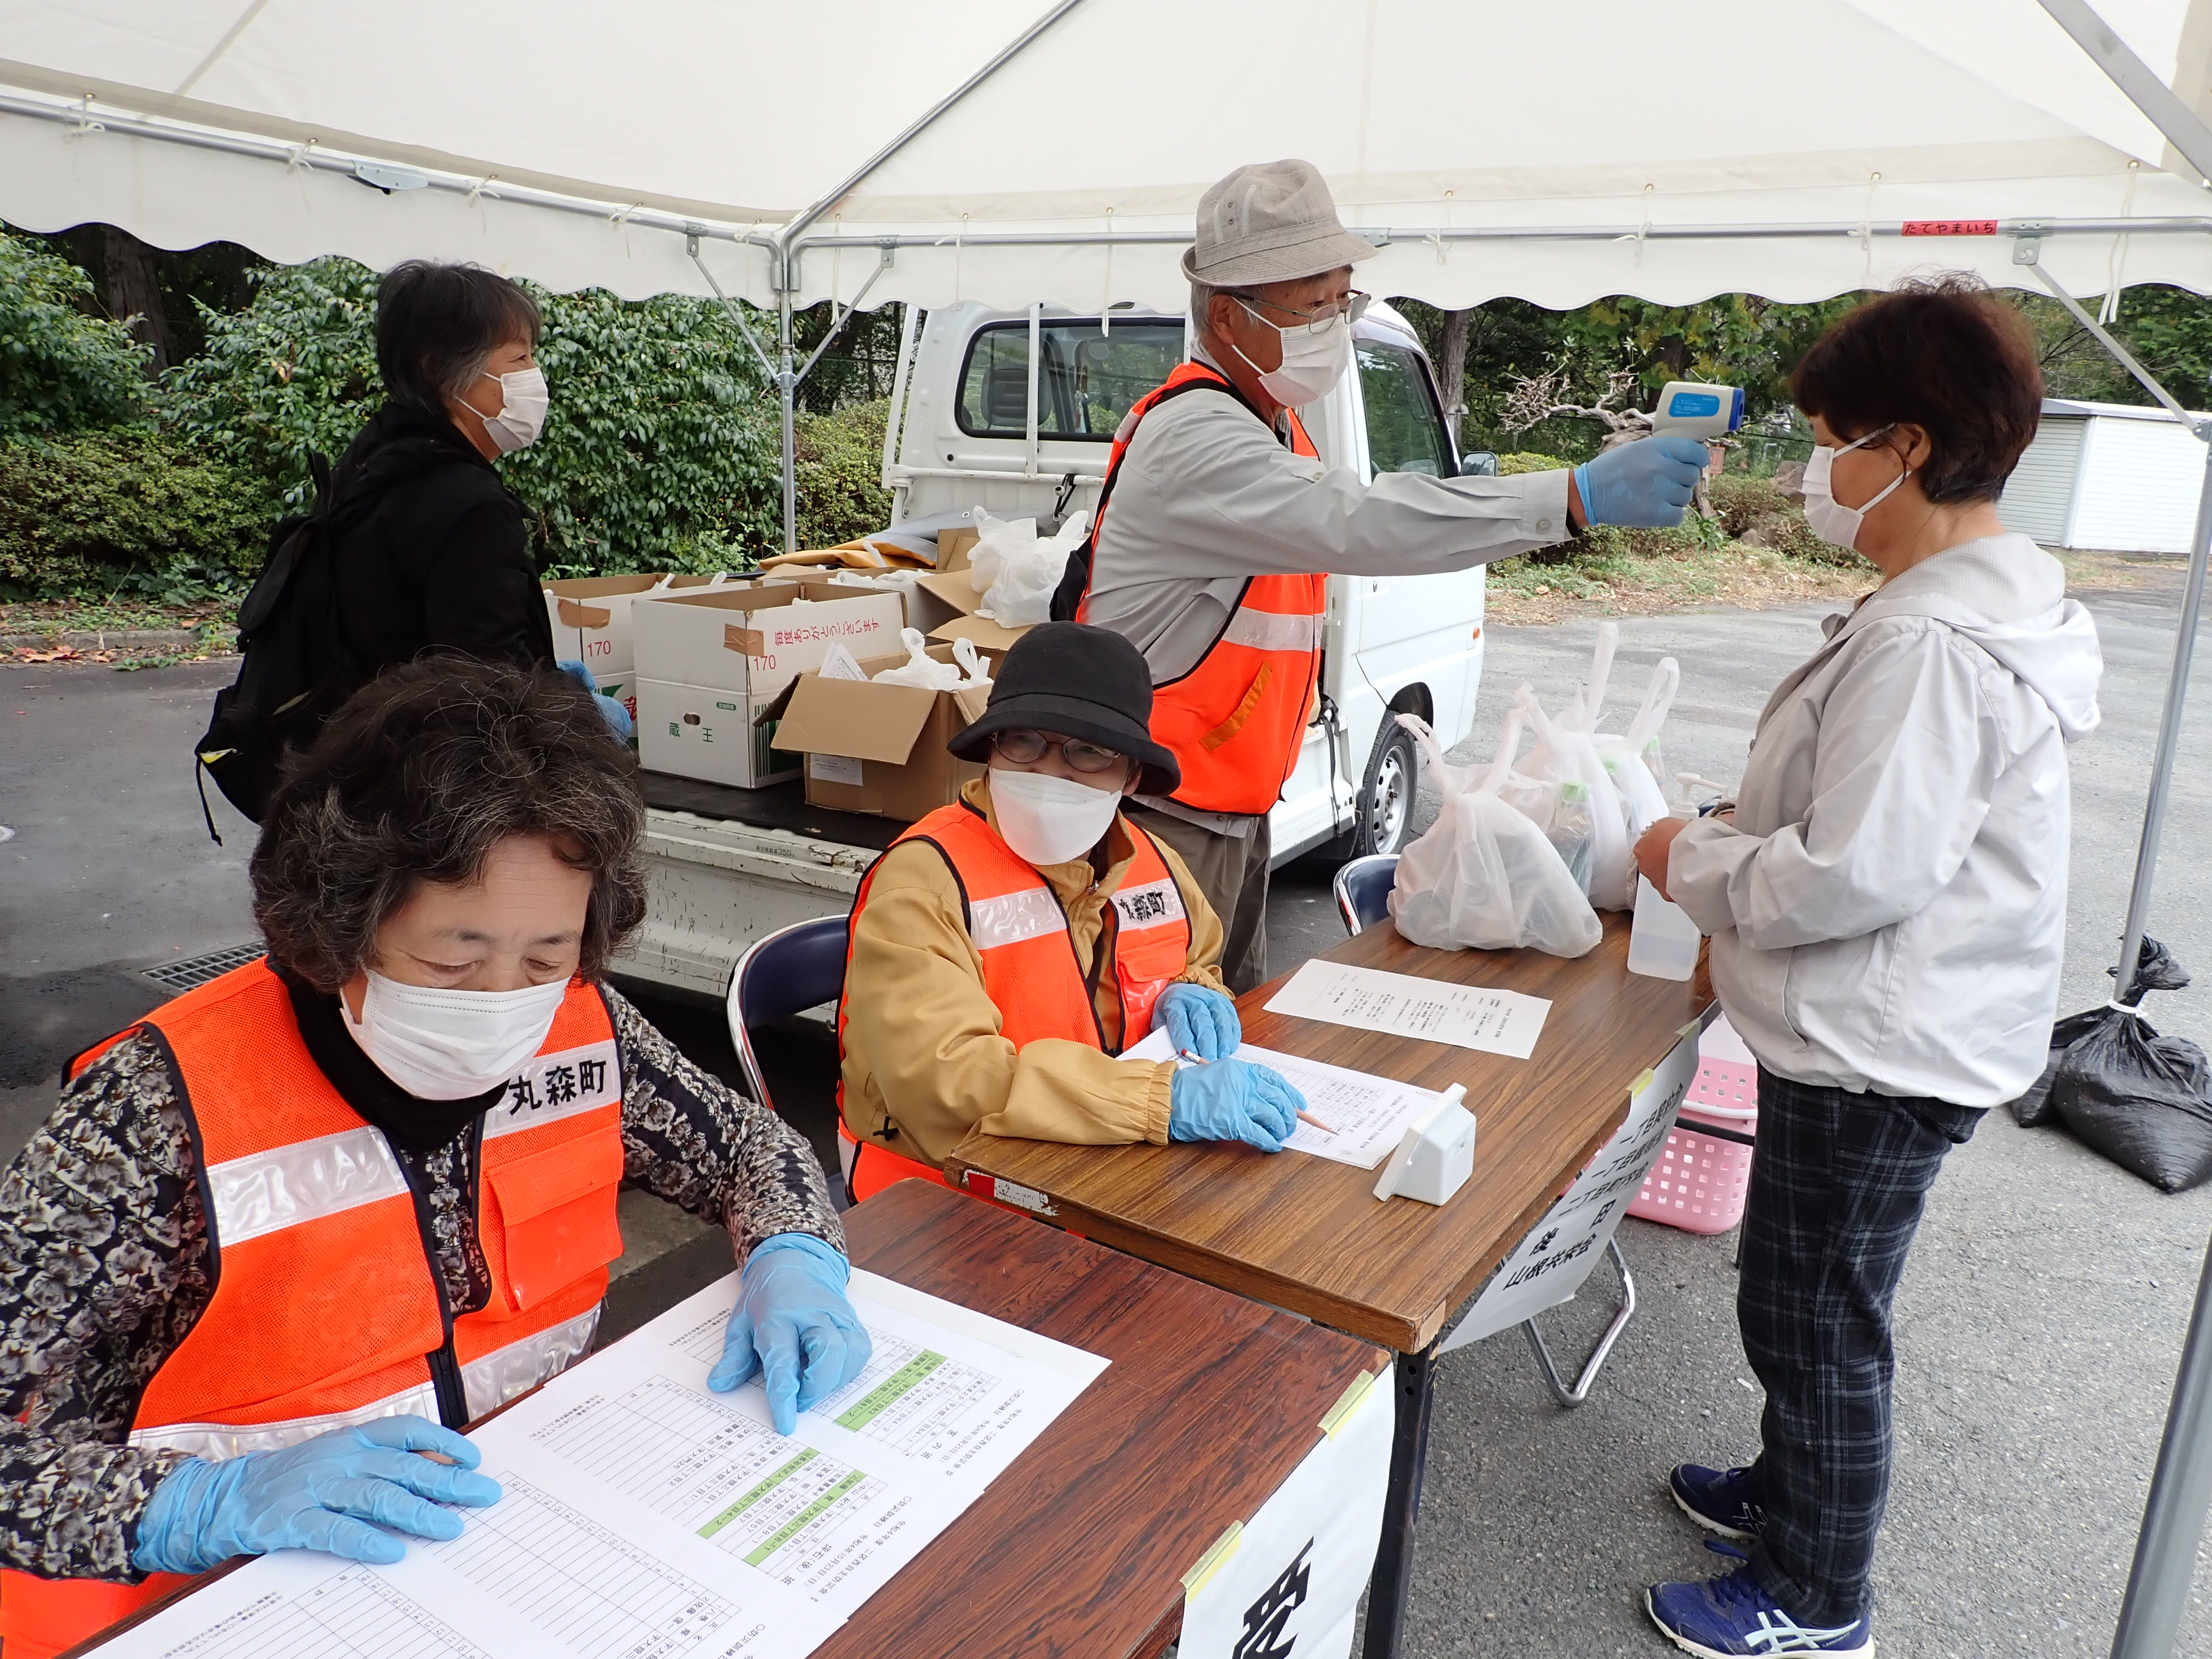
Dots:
{"x": 1082, "y": 682}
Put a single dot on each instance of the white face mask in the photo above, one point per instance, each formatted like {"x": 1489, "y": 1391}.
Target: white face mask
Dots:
{"x": 448, "y": 1045}
{"x": 1049, "y": 820}
{"x": 523, "y": 401}
{"x": 1832, "y": 521}
{"x": 1312, "y": 362}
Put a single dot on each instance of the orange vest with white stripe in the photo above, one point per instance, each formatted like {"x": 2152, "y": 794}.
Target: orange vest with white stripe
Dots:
{"x": 1236, "y": 720}
{"x": 328, "y": 1308}
{"x": 1031, "y": 969}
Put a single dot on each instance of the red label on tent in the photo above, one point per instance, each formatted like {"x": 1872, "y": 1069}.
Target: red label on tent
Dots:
{"x": 1950, "y": 227}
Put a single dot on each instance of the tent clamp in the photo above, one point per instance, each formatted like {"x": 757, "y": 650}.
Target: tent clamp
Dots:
{"x": 2027, "y": 241}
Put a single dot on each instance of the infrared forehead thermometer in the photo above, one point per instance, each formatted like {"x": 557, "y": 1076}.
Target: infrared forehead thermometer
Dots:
{"x": 1698, "y": 411}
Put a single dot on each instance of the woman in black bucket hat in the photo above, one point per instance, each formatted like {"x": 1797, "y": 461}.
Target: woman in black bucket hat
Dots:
{"x": 1008, "y": 947}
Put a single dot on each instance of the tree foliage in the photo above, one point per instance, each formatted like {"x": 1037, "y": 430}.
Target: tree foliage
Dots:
{"x": 658, "y": 444}
{"x": 62, "y": 368}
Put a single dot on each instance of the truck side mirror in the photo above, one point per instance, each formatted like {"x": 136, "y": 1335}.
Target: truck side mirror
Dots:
{"x": 1479, "y": 463}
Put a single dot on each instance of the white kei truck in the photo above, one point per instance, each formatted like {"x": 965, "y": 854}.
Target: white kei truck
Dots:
{"x": 1015, "y": 412}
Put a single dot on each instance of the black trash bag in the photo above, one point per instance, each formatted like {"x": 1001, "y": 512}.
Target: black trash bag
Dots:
{"x": 2155, "y": 970}
{"x": 2142, "y": 1100}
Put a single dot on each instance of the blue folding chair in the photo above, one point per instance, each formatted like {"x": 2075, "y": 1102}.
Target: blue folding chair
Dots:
{"x": 1362, "y": 890}
{"x": 783, "y": 973}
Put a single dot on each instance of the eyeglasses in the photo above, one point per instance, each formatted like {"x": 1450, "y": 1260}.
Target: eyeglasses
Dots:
{"x": 1026, "y": 748}
{"x": 1350, "y": 307}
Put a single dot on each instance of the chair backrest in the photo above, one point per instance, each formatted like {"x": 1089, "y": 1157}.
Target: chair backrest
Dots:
{"x": 794, "y": 969}
{"x": 1362, "y": 890}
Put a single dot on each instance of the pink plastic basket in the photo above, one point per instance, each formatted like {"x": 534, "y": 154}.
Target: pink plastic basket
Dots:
{"x": 1699, "y": 1181}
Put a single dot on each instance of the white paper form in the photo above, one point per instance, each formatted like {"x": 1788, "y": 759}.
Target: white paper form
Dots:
{"x": 646, "y": 1517}
{"x": 1404, "y": 1005}
{"x": 1366, "y": 1115}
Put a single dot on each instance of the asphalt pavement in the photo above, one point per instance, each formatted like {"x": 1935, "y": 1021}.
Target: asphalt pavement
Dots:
{"x": 2038, "y": 1323}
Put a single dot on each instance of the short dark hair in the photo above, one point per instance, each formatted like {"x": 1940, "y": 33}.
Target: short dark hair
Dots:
{"x": 416, "y": 779}
{"x": 1946, "y": 354}
{"x": 435, "y": 325}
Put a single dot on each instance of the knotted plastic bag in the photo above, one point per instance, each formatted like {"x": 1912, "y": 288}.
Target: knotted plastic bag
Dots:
{"x": 1565, "y": 756}
{"x": 1632, "y": 761}
{"x": 2155, "y": 970}
{"x": 1484, "y": 876}
{"x": 1016, "y": 570}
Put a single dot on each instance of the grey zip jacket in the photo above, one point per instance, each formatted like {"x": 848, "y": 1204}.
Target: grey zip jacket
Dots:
{"x": 1888, "y": 908}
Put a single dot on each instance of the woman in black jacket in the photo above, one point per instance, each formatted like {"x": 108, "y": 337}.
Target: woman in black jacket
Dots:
{"x": 432, "y": 553}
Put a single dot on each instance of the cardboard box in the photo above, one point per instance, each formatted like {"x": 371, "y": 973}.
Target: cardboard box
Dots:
{"x": 698, "y": 731}
{"x": 756, "y": 639}
{"x": 590, "y": 617}
{"x": 956, "y": 589}
{"x": 879, "y": 749}
{"x": 924, "y": 609}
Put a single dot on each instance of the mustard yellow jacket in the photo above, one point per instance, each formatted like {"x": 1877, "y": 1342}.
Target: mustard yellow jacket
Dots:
{"x": 923, "y": 1060}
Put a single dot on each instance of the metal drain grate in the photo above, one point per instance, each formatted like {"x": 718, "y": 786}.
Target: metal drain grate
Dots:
{"x": 198, "y": 970}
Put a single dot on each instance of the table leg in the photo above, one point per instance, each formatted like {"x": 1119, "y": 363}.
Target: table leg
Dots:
{"x": 1402, "y": 1509}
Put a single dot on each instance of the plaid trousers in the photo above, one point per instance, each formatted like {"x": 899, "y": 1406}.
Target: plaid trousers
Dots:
{"x": 1838, "y": 1185}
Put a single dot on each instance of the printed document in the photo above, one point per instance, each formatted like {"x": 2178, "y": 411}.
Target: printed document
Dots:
{"x": 1435, "y": 1010}
{"x": 645, "y": 1515}
{"x": 1366, "y": 1115}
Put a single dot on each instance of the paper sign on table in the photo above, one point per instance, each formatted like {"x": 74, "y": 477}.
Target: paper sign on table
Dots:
{"x": 1366, "y": 1115}
{"x": 1292, "y": 1581}
{"x": 644, "y": 1514}
{"x": 1401, "y": 1005}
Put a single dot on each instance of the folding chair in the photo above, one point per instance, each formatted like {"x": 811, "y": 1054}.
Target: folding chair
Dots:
{"x": 783, "y": 973}
{"x": 1362, "y": 889}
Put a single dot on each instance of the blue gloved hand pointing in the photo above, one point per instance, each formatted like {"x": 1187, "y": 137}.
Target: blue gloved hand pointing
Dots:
{"x": 337, "y": 1493}
{"x": 1647, "y": 483}
{"x": 1201, "y": 1020}
{"x": 793, "y": 1325}
{"x": 1233, "y": 1100}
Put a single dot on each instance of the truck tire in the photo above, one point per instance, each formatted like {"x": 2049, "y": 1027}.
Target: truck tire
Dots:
{"x": 1386, "y": 793}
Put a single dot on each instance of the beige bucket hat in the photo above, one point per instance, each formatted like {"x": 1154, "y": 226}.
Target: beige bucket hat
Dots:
{"x": 1273, "y": 222}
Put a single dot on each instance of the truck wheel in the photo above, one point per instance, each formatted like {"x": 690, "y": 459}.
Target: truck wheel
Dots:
{"x": 1386, "y": 793}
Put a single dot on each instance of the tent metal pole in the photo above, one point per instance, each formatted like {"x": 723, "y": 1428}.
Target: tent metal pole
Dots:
{"x": 2145, "y": 90}
{"x": 786, "y": 383}
{"x": 2180, "y": 1491}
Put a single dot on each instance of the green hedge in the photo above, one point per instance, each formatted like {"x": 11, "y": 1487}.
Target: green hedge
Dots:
{"x": 839, "y": 468}
{"x": 100, "y": 513}
{"x": 62, "y": 369}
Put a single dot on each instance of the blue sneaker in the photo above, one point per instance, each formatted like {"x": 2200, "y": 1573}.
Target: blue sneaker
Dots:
{"x": 1725, "y": 1501}
{"x": 1731, "y": 1618}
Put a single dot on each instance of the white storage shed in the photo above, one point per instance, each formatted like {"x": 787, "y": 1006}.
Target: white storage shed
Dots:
{"x": 2113, "y": 478}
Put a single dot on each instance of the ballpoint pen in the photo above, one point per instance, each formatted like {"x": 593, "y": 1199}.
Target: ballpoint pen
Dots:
{"x": 1305, "y": 1116}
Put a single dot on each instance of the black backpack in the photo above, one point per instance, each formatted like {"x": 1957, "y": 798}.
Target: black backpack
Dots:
{"x": 297, "y": 669}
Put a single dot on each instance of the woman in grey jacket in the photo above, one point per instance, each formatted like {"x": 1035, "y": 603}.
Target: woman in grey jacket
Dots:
{"x": 1887, "y": 906}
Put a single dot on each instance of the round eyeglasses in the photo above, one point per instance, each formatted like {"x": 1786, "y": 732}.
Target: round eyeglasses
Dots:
{"x": 1025, "y": 747}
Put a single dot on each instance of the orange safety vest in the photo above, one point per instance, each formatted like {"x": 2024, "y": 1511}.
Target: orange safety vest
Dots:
{"x": 1236, "y": 719}
{"x": 328, "y": 1307}
{"x": 1030, "y": 971}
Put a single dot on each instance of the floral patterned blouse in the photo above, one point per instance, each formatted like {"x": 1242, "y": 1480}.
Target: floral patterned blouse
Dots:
{"x": 104, "y": 1265}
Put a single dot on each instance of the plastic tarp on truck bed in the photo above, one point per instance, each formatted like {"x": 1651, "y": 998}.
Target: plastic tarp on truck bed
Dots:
{"x": 572, "y": 142}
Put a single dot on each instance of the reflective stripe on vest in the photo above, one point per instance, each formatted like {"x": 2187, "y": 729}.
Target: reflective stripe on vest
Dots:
{"x": 1237, "y": 719}
{"x": 1030, "y": 971}
{"x": 327, "y": 1306}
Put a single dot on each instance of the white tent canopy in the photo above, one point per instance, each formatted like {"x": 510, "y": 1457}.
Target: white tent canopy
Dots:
{"x": 1557, "y": 152}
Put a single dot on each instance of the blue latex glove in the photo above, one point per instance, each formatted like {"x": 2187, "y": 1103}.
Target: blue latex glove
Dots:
{"x": 1645, "y": 483}
{"x": 793, "y": 1325}
{"x": 618, "y": 720}
{"x": 1205, "y": 1022}
{"x": 1233, "y": 1100}
{"x": 322, "y": 1494}
{"x": 579, "y": 671}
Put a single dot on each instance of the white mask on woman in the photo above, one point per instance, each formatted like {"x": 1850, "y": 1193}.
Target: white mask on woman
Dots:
{"x": 523, "y": 401}
{"x": 1313, "y": 362}
{"x": 448, "y": 1045}
{"x": 1049, "y": 820}
{"x": 1832, "y": 521}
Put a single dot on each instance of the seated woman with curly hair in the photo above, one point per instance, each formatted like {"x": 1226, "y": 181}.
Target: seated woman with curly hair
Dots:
{"x": 286, "y": 1236}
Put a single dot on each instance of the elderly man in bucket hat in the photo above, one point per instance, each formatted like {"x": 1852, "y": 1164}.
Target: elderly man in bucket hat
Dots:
{"x": 1008, "y": 947}
{"x": 1217, "y": 523}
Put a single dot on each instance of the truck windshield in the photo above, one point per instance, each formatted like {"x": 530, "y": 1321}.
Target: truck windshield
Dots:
{"x": 1405, "y": 430}
{"x": 1086, "y": 379}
